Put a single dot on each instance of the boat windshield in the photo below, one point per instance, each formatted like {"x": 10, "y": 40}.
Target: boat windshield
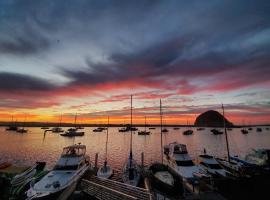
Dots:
{"x": 214, "y": 166}
{"x": 184, "y": 163}
{"x": 66, "y": 167}
{"x": 73, "y": 151}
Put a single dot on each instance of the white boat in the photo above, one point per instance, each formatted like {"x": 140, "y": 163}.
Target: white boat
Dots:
{"x": 105, "y": 171}
{"x": 57, "y": 130}
{"x": 131, "y": 173}
{"x": 71, "y": 166}
{"x": 178, "y": 160}
{"x": 211, "y": 166}
{"x": 260, "y": 157}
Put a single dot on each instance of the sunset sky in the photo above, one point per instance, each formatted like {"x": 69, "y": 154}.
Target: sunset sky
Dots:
{"x": 87, "y": 57}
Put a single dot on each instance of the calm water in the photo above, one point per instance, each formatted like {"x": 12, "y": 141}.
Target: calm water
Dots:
{"x": 25, "y": 149}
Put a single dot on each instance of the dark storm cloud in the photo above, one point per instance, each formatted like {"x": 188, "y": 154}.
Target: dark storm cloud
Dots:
{"x": 146, "y": 40}
{"x": 19, "y": 82}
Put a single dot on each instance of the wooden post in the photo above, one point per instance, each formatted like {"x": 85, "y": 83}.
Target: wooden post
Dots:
{"x": 96, "y": 161}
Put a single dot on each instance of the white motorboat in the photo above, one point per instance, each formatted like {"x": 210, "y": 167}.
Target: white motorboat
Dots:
{"x": 73, "y": 132}
{"x": 178, "y": 160}
{"x": 71, "y": 166}
{"x": 211, "y": 166}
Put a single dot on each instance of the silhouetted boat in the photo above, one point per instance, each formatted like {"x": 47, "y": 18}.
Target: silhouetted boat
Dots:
{"x": 13, "y": 126}
{"x": 250, "y": 129}
{"x": 99, "y": 129}
{"x": 57, "y": 130}
{"x": 216, "y": 132}
{"x": 176, "y": 128}
{"x": 244, "y": 131}
{"x": 144, "y": 132}
{"x": 72, "y": 132}
{"x": 21, "y": 130}
{"x": 188, "y": 132}
{"x": 152, "y": 128}
{"x": 259, "y": 129}
{"x": 165, "y": 130}
{"x": 200, "y": 129}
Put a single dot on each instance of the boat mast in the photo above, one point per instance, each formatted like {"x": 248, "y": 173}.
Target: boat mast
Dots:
{"x": 225, "y": 130}
{"x": 107, "y": 141}
{"x": 60, "y": 122}
{"x": 75, "y": 120}
{"x": 130, "y": 154}
{"x": 161, "y": 141}
{"x": 144, "y": 123}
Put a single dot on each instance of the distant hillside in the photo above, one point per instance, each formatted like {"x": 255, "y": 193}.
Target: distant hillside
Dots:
{"x": 211, "y": 118}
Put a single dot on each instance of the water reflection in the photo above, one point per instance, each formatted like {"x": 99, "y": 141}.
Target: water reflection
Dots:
{"x": 35, "y": 145}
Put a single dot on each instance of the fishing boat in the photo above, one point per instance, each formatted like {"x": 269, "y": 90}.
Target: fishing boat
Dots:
{"x": 144, "y": 132}
{"x": 105, "y": 171}
{"x": 130, "y": 171}
{"x": 178, "y": 160}
{"x": 71, "y": 166}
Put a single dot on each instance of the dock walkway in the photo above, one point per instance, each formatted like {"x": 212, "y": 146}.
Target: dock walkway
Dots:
{"x": 112, "y": 190}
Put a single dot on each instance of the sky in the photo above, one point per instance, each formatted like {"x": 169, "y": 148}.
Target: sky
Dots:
{"x": 62, "y": 57}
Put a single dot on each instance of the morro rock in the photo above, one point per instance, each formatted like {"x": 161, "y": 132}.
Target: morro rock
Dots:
{"x": 211, "y": 118}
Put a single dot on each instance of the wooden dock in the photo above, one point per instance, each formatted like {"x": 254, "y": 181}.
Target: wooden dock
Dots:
{"x": 105, "y": 189}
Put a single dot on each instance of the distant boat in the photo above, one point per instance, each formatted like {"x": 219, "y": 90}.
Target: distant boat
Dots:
{"x": 12, "y": 126}
{"x": 72, "y": 132}
{"x": 144, "y": 132}
{"x": 127, "y": 128}
{"x": 250, "y": 129}
{"x": 152, "y": 128}
{"x": 216, "y": 132}
{"x": 58, "y": 129}
{"x": 130, "y": 172}
{"x": 105, "y": 171}
{"x": 165, "y": 130}
{"x": 200, "y": 129}
{"x": 188, "y": 132}
{"x": 176, "y": 128}
{"x": 71, "y": 166}
{"x": 244, "y": 131}
{"x": 22, "y": 130}
{"x": 99, "y": 129}
{"x": 229, "y": 129}
{"x": 259, "y": 129}
{"x": 44, "y": 127}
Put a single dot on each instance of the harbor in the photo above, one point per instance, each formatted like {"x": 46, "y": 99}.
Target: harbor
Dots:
{"x": 144, "y": 154}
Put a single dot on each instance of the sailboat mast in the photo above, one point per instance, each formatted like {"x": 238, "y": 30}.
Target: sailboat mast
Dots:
{"x": 161, "y": 138}
{"x": 60, "y": 122}
{"x": 131, "y": 127}
{"x": 75, "y": 120}
{"x": 107, "y": 140}
{"x": 145, "y": 123}
{"x": 225, "y": 130}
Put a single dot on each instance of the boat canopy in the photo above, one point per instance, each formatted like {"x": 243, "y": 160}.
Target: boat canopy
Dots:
{"x": 179, "y": 149}
{"x": 74, "y": 150}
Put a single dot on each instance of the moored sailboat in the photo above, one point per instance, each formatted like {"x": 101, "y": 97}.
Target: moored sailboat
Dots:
{"x": 144, "y": 132}
{"x": 131, "y": 171}
{"x": 105, "y": 171}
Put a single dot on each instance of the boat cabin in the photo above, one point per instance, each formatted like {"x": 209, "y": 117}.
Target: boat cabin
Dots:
{"x": 209, "y": 162}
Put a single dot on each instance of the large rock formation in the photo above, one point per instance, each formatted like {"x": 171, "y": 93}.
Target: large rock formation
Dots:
{"x": 211, "y": 118}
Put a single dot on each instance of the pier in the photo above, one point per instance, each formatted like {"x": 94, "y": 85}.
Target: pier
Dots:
{"x": 113, "y": 190}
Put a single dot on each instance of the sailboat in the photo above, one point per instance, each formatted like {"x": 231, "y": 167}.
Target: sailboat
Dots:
{"x": 144, "y": 132}
{"x": 73, "y": 131}
{"x": 244, "y": 130}
{"x": 105, "y": 171}
{"x": 188, "y": 131}
{"x": 12, "y": 126}
{"x": 234, "y": 167}
{"x": 160, "y": 178}
{"x": 22, "y": 130}
{"x": 131, "y": 172}
{"x": 58, "y": 129}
